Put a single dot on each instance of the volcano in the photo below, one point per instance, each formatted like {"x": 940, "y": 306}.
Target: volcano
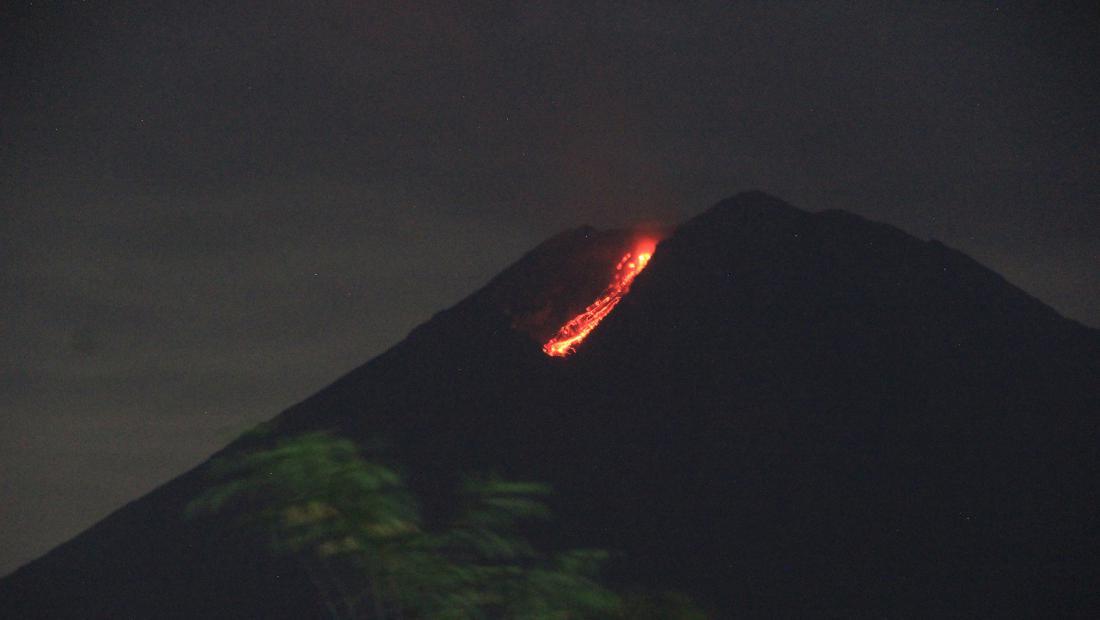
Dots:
{"x": 786, "y": 413}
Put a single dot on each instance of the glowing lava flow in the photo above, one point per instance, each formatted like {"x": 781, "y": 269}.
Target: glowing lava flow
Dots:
{"x": 577, "y": 329}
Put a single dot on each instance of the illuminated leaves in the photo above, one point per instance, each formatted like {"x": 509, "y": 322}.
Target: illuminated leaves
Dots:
{"x": 356, "y": 530}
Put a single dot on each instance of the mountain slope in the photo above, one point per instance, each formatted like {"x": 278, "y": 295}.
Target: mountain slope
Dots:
{"x": 791, "y": 413}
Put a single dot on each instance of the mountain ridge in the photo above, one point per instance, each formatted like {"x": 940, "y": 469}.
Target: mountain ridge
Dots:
{"x": 793, "y": 384}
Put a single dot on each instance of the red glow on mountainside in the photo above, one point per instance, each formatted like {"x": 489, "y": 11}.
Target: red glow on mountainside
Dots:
{"x": 577, "y": 329}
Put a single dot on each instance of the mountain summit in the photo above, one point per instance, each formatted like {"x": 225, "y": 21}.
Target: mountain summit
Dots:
{"x": 788, "y": 414}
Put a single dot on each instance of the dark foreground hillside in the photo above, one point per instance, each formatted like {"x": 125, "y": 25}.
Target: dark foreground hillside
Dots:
{"x": 791, "y": 414}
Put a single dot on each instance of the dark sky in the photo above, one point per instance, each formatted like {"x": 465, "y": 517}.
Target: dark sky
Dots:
{"x": 209, "y": 212}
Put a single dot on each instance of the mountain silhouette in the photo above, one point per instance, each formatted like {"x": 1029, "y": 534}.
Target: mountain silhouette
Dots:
{"x": 790, "y": 414}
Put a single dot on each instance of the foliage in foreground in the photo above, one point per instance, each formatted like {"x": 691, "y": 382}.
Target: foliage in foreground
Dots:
{"x": 356, "y": 530}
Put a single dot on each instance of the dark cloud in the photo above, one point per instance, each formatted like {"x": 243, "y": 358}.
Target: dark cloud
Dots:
{"x": 211, "y": 211}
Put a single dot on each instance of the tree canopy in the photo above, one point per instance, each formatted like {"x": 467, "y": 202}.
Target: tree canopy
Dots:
{"x": 357, "y": 531}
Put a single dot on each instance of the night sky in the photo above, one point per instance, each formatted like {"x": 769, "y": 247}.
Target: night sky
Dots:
{"x": 208, "y": 213}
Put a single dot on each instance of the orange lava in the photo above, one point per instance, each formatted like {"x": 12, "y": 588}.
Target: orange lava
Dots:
{"x": 577, "y": 329}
